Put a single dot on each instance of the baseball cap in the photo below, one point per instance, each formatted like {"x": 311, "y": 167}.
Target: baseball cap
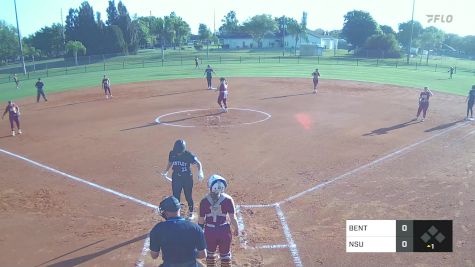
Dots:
{"x": 170, "y": 204}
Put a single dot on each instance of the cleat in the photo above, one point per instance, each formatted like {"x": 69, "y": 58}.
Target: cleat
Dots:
{"x": 13, "y": 133}
{"x": 19, "y": 131}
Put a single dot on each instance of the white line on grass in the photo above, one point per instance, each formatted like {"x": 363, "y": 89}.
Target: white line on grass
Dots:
{"x": 288, "y": 235}
{"x": 100, "y": 187}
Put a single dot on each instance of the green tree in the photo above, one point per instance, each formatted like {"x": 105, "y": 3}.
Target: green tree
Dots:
{"x": 258, "y": 26}
{"x": 468, "y": 45}
{"x": 74, "y": 47}
{"x": 432, "y": 38}
{"x": 404, "y": 33}
{"x": 8, "y": 42}
{"x": 294, "y": 29}
{"x": 230, "y": 24}
{"x": 358, "y": 26}
{"x": 49, "y": 40}
{"x": 112, "y": 13}
{"x": 387, "y": 29}
{"x": 385, "y": 45}
{"x": 204, "y": 33}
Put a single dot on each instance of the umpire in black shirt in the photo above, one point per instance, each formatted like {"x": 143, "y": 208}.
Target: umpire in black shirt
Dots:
{"x": 181, "y": 241}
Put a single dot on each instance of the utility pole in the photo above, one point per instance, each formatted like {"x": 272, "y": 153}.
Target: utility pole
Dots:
{"x": 412, "y": 29}
{"x": 19, "y": 40}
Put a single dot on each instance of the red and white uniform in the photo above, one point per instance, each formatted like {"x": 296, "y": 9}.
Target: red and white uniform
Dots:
{"x": 216, "y": 226}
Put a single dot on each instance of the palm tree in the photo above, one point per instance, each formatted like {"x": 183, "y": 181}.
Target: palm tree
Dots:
{"x": 75, "y": 47}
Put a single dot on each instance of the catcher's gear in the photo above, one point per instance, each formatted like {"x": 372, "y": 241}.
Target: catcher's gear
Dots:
{"x": 179, "y": 146}
{"x": 217, "y": 184}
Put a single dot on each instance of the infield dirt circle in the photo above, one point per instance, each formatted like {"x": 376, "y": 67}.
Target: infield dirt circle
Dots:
{"x": 49, "y": 220}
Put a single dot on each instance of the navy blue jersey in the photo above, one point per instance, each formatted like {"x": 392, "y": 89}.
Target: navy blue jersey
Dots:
{"x": 39, "y": 85}
{"x": 179, "y": 240}
{"x": 181, "y": 164}
{"x": 208, "y": 72}
{"x": 471, "y": 96}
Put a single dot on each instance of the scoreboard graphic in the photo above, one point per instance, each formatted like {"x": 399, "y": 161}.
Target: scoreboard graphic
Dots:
{"x": 399, "y": 236}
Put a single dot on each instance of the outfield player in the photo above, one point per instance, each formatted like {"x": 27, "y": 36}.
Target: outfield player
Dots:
{"x": 40, "y": 91}
{"x": 470, "y": 101}
{"x": 182, "y": 179}
{"x": 197, "y": 63}
{"x": 106, "y": 85}
{"x": 16, "y": 80}
{"x": 223, "y": 94}
{"x": 451, "y": 71}
{"x": 14, "y": 116}
{"x": 209, "y": 76}
{"x": 180, "y": 241}
{"x": 217, "y": 212}
{"x": 424, "y": 103}
{"x": 315, "y": 76}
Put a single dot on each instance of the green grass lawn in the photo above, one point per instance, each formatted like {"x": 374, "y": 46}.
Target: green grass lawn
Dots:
{"x": 290, "y": 67}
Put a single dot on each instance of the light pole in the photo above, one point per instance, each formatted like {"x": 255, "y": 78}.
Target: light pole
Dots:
{"x": 412, "y": 29}
{"x": 19, "y": 40}
{"x": 284, "y": 26}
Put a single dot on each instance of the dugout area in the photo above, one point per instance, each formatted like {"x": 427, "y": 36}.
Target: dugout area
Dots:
{"x": 50, "y": 220}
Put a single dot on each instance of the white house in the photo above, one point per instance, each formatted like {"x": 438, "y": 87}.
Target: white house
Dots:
{"x": 243, "y": 40}
{"x": 323, "y": 41}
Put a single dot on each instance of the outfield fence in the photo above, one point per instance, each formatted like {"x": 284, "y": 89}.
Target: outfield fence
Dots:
{"x": 103, "y": 63}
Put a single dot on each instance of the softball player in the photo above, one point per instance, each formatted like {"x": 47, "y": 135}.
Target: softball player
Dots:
{"x": 223, "y": 94}
{"x": 209, "y": 76}
{"x": 14, "y": 116}
{"x": 16, "y": 80}
{"x": 39, "y": 90}
{"x": 424, "y": 103}
{"x": 315, "y": 76}
{"x": 217, "y": 212}
{"x": 182, "y": 178}
{"x": 106, "y": 85}
{"x": 470, "y": 101}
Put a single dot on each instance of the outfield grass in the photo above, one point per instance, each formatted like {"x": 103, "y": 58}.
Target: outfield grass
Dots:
{"x": 290, "y": 67}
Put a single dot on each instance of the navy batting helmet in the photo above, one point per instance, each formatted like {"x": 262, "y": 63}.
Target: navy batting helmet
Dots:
{"x": 179, "y": 146}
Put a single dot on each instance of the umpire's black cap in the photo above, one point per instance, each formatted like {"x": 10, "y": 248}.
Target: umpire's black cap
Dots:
{"x": 170, "y": 204}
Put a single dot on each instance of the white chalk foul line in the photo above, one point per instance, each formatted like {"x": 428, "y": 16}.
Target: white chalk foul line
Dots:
{"x": 370, "y": 164}
{"x": 241, "y": 226}
{"x": 288, "y": 236}
{"x": 145, "y": 249}
{"x": 158, "y": 119}
{"x": 75, "y": 178}
{"x": 279, "y": 246}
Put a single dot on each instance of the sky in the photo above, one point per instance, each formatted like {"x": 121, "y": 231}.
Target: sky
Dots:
{"x": 325, "y": 14}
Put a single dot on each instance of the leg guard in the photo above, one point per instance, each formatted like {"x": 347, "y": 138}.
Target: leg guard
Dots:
{"x": 210, "y": 259}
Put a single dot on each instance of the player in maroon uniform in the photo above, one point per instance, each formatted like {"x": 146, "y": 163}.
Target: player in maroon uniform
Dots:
{"x": 424, "y": 103}
{"x": 106, "y": 86}
{"x": 217, "y": 212}
{"x": 223, "y": 94}
{"x": 14, "y": 116}
{"x": 315, "y": 76}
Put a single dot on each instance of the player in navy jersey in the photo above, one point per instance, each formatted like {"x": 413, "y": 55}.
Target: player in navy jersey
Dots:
{"x": 424, "y": 103}
{"x": 223, "y": 94}
{"x": 14, "y": 116}
{"x": 470, "y": 101}
{"x": 180, "y": 160}
{"x": 209, "y": 76}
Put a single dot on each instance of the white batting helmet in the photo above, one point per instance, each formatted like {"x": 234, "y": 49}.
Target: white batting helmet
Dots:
{"x": 217, "y": 184}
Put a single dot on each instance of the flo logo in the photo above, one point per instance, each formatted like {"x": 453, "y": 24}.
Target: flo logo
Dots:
{"x": 439, "y": 18}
